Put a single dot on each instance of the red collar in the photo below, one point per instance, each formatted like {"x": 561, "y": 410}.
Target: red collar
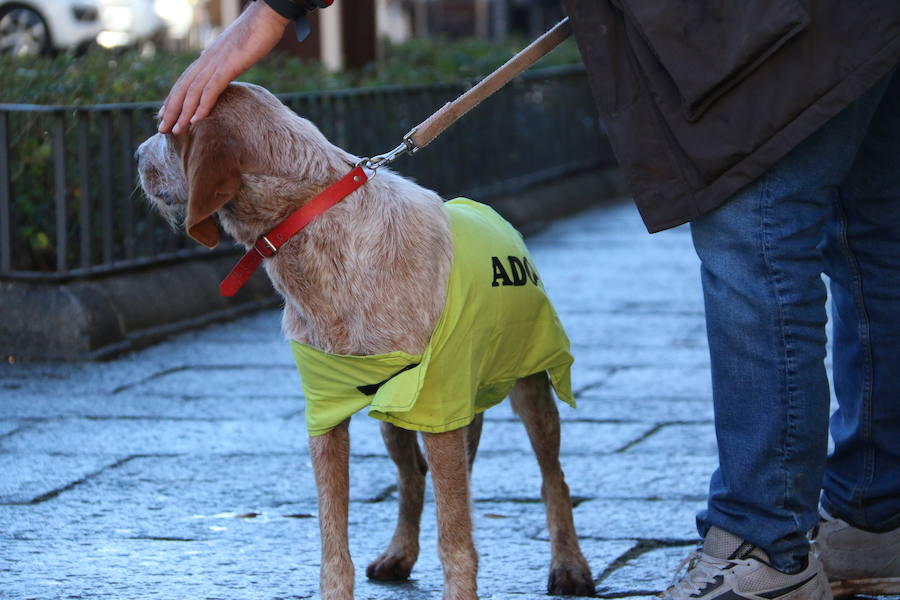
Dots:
{"x": 269, "y": 244}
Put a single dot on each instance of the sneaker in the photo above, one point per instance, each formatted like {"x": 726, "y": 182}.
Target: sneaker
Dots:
{"x": 728, "y": 568}
{"x": 857, "y": 561}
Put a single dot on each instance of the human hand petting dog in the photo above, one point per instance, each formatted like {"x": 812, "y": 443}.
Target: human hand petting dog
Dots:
{"x": 249, "y": 38}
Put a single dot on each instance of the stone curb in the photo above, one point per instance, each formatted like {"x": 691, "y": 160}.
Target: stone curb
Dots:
{"x": 99, "y": 317}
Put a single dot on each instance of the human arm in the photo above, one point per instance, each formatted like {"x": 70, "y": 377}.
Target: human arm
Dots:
{"x": 249, "y": 38}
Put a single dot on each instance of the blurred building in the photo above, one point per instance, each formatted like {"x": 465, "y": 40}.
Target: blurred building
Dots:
{"x": 495, "y": 19}
{"x": 348, "y": 34}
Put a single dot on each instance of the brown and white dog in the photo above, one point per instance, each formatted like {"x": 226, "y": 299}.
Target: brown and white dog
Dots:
{"x": 253, "y": 162}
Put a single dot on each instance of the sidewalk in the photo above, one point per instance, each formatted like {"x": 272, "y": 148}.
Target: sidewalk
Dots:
{"x": 181, "y": 472}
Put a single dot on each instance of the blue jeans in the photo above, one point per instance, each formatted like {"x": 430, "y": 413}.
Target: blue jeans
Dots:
{"x": 830, "y": 206}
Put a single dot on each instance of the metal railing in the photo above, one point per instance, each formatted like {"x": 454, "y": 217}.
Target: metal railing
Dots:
{"x": 70, "y": 205}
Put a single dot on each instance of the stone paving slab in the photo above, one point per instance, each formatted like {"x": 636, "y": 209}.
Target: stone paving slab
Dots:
{"x": 656, "y": 381}
{"x": 28, "y": 476}
{"x": 578, "y": 437}
{"x": 686, "y": 438}
{"x": 194, "y": 380}
{"x": 648, "y": 568}
{"x": 603, "y": 355}
{"x": 622, "y": 475}
{"x": 182, "y": 471}
{"x": 220, "y": 559}
{"x": 646, "y": 410}
{"x": 658, "y": 329}
{"x": 30, "y": 407}
{"x": 117, "y": 437}
{"x": 7, "y": 427}
{"x": 665, "y": 521}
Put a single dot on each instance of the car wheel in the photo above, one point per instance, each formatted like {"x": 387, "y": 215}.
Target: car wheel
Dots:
{"x": 23, "y": 32}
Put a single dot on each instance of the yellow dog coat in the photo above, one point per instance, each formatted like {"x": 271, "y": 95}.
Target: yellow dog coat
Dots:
{"x": 497, "y": 326}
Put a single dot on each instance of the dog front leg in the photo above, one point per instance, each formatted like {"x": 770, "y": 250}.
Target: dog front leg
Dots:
{"x": 450, "y": 475}
{"x": 570, "y": 574}
{"x": 397, "y": 561}
{"x": 330, "y": 455}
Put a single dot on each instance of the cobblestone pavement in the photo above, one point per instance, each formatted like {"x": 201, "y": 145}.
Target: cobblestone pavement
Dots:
{"x": 182, "y": 472}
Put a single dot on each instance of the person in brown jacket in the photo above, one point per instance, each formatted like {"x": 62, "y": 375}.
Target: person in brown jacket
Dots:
{"x": 773, "y": 126}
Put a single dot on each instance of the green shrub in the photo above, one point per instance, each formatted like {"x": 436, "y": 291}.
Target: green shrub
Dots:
{"x": 102, "y": 77}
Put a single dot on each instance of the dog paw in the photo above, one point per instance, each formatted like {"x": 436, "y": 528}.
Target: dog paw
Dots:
{"x": 570, "y": 580}
{"x": 390, "y": 567}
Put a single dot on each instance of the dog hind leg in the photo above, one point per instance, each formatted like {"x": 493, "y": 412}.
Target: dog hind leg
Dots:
{"x": 473, "y": 437}
{"x": 330, "y": 454}
{"x": 450, "y": 475}
{"x": 570, "y": 574}
{"x": 396, "y": 562}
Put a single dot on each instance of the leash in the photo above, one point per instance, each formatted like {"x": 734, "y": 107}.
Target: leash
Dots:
{"x": 418, "y": 137}
{"x": 425, "y": 132}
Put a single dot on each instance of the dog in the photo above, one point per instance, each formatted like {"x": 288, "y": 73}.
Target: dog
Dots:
{"x": 371, "y": 277}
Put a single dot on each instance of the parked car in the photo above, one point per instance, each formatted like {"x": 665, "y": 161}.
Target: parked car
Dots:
{"x": 128, "y": 22}
{"x": 29, "y": 27}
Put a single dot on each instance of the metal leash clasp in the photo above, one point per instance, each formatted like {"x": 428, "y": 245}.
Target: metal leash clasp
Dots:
{"x": 373, "y": 163}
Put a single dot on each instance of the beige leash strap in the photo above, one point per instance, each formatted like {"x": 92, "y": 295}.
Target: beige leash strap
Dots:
{"x": 423, "y": 134}
{"x": 433, "y": 126}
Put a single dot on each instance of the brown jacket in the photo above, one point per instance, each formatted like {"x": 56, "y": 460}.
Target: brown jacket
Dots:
{"x": 700, "y": 97}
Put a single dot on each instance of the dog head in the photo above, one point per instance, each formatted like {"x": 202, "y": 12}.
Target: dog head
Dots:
{"x": 192, "y": 175}
{"x": 249, "y": 135}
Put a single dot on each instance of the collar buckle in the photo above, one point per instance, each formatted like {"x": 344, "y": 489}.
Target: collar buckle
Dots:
{"x": 265, "y": 248}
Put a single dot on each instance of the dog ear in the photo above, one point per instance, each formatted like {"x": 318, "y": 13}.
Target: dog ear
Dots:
{"x": 211, "y": 160}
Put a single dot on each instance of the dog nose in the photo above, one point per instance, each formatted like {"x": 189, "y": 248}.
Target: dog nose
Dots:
{"x": 137, "y": 155}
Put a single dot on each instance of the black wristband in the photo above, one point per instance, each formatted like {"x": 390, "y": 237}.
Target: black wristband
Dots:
{"x": 296, "y": 10}
{"x": 286, "y": 8}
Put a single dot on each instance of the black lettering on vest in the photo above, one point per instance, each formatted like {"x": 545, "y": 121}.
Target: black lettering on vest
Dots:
{"x": 530, "y": 271}
{"x": 518, "y": 270}
{"x": 499, "y": 273}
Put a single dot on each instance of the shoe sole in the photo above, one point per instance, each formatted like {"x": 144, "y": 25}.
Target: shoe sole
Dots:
{"x": 883, "y": 586}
